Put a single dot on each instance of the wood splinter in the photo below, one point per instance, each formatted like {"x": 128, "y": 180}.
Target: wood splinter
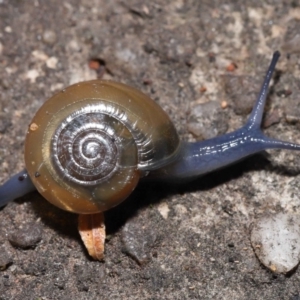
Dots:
{"x": 92, "y": 231}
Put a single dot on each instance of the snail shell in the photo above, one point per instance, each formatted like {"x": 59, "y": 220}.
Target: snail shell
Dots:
{"x": 87, "y": 146}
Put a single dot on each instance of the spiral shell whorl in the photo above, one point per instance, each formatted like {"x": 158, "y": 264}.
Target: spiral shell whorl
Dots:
{"x": 85, "y": 148}
{"x": 97, "y": 139}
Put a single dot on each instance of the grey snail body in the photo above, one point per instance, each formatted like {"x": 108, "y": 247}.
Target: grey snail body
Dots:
{"x": 87, "y": 147}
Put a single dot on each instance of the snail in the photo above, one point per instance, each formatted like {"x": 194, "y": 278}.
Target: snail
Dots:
{"x": 88, "y": 146}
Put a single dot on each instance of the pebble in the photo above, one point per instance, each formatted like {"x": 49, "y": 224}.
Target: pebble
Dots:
{"x": 8, "y": 29}
{"x": 164, "y": 210}
{"x": 138, "y": 239}
{"x": 276, "y": 241}
{"x": 32, "y": 75}
{"x": 26, "y": 237}
{"x": 49, "y": 37}
{"x": 51, "y": 62}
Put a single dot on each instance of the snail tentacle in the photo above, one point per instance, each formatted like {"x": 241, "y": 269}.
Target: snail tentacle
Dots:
{"x": 200, "y": 158}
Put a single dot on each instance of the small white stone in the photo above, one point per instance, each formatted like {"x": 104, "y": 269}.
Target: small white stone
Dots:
{"x": 8, "y": 29}
{"x": 32, "y": 75}
{"x": 49, "y": 37}
{"x": 73, "y": 45}
{"x": 164, "y": 210}
{"x": 56, "y": 87}
{"x": 52, "y": 62}
{"x": 276, "y": 241}
{"x": 40, "y": 55}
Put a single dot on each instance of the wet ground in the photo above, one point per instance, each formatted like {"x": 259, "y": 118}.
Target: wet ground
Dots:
{"x": 165, "y": 241}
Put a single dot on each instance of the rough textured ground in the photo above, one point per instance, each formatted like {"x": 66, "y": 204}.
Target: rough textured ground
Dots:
{"x": 192, "y": 241}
